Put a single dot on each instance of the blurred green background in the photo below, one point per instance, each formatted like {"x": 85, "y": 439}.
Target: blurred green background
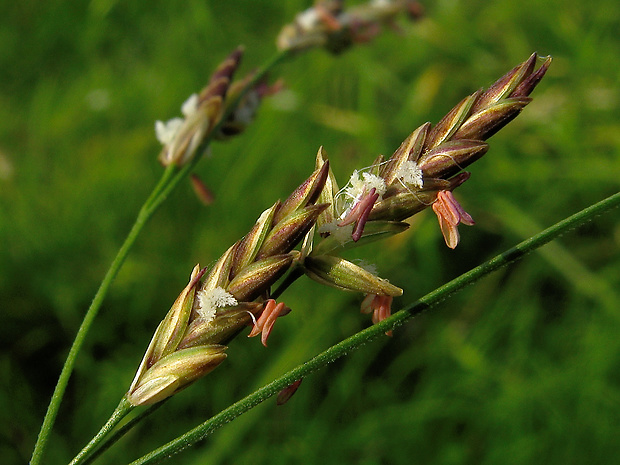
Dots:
{"x": 521, "y": 368}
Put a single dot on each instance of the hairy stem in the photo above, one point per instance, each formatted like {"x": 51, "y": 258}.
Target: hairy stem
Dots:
{"x": 345, "y": 347}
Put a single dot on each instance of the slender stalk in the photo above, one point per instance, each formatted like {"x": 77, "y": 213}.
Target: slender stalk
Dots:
{"x": 112, "y": 438}
{"x": 169, "y": 180}
{"x": 123, "y": 408}
{"x": 346, "y": 346}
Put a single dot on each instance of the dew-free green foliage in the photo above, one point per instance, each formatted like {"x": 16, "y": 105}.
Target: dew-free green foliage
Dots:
{"x": 523, "y": 367}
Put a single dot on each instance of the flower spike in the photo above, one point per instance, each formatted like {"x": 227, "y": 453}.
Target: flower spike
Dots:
{"x": 329, "y": 24}
{"x": 422, "y": 172}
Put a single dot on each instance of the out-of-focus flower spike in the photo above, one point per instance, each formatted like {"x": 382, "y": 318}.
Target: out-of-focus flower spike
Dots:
{"x": 409, "y": 150}
{"x": 290, "y": 231}
{"x": 310, "y": 28}
{"x": 182, "y": 137}
{"x": 450, "y": 123}
{"x": 487, "y": 122}
{"x": 185, "y": 138}
{"x": 218, "y": 86}
{"x": 212, "y": 110}
{"x": 329, "y": 191}
{"x": 256, "y": 278}
{"x": 307, "y": 193}
{"x": 245, "y": 109}
{"x": 451, "y": 157}
{"x": 384, "y": 10}
{"x": 327, "y": 24}
{"x": 342, "y": 274}
{"x": 504, "y": 86}
{"x": 252, "y": 242}
{"x": 285, "y": 394}
{"x": 171, "y": 330}
{"x": 529, "y": 84}
{"x": 175, "y": 372}
{"x": 219, "y": 275}
{"x": 220, "y": 80}
{"x": 236, "y": 87}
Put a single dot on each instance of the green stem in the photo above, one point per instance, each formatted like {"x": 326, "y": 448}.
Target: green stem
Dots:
{"x": 123, "y": 408}
{"x": 343, "y": 348}
{"x": 169, "y": 180}
{"x": 111, "y": 439}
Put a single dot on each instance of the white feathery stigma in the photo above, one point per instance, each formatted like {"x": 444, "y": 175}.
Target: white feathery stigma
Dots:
{"x": 362, "y": 182}
{"x": 359, "y": 184}
{"x": 410, "y": 174}
{"x": 210, "y": 300}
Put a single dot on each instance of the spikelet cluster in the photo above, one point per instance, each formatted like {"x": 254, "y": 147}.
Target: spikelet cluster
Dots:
{"x": 218, "y": 304}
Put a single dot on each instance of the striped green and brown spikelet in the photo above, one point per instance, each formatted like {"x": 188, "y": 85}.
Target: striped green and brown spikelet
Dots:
{"x": 220, "y": 81}
{"x": 440, "y": 153}
{"x": 209, "y": 312}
